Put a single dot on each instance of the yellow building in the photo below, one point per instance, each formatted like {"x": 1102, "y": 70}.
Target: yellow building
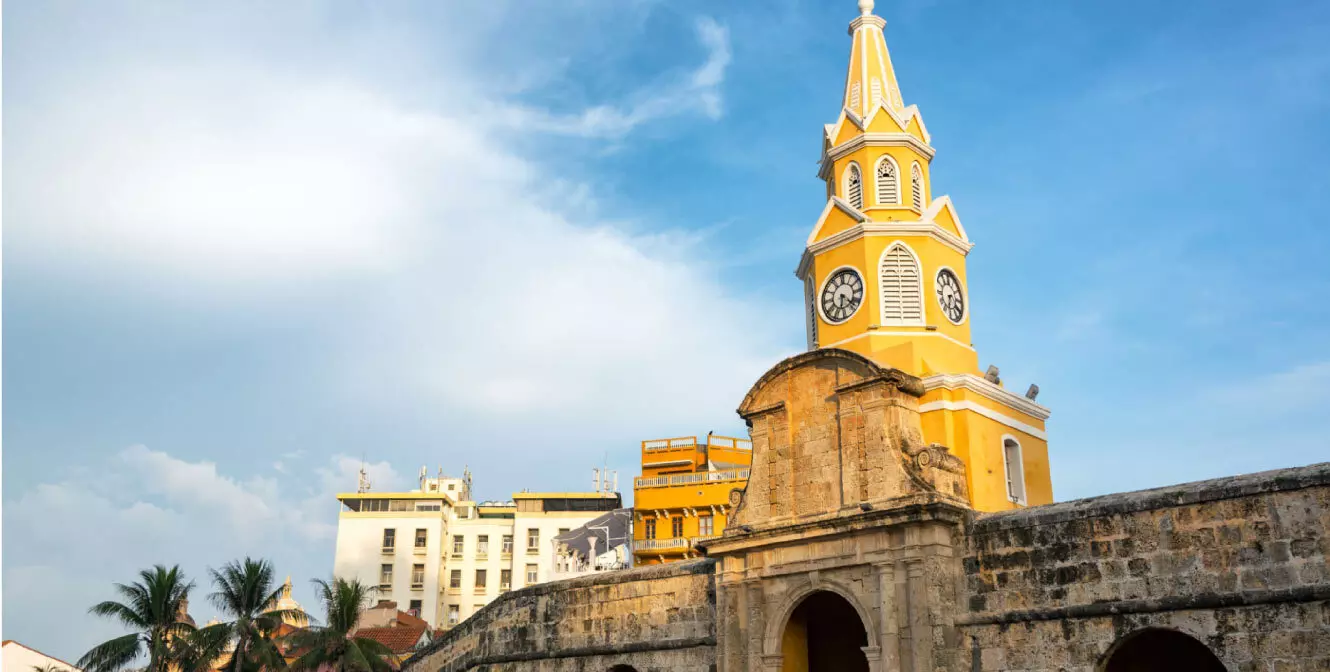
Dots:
{"x": 683, "y": 494}
{"x": 884, "y": 275}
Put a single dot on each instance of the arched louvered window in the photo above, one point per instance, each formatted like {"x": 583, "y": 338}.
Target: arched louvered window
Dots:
{"x": 888, "y": 189}
{"x": 877, "y": 91}
{"x": 854, "y": 186}
{"x": 901, "y": 283}
{"x": 917, "y": 186}
{"x": 1013, "y": 464}
{"x": 854, "y": 97}
{"x": 809, "y": 299}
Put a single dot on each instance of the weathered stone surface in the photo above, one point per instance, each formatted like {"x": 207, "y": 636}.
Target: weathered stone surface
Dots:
{"x": 1238, "y": 563}
{"x": 653, "y": 618}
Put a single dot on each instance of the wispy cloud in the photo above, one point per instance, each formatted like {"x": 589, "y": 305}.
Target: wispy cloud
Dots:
{"x": 676, "y": 94}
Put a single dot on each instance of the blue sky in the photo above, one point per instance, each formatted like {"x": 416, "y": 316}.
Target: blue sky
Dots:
{"x": 248, "y": 246}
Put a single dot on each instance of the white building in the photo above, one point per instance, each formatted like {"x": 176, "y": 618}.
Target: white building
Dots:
{"x": 20, "y": 658}
{"x": 443, "y": 556}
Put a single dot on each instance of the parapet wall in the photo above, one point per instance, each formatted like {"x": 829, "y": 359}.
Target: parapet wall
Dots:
{"x": 657, "y": 617}
{"x": 1238, "y": 563}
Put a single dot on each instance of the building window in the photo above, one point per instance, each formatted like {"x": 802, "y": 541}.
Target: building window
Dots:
{"x": 1014, "y": 465}
{"x": 900, "y": 285}
{"x": 704, "y": 526}
{"x": 414, "y": 609}
{"x": 649, "y": 528}
{"x": 505, "y": 579}
{"x": 507, "y": 544}
{"x": 532, "y": 540}
{"x": 421, "y": 536}
{"x": 481, "y": 576}
{"x": 458, "y": 544}
{"x": 483, "y": 545}
{"x": 888, "y": 188}
{"x": 455, "y": 579}
{"x": 917, "y": 186}
{"x": 532, "y": 574}
{"x": 389, "y": 540}
{"x": 854, "y": 186}
{"x": 385, "y": 575}
{"x": 563, "y": 530}
{"x": 417, "y": 576}
{"x": 452, "y": 614}
{"x": 676, "y": 527}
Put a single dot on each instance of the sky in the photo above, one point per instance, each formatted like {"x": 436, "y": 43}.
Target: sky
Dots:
{"x": 250, "y": 247}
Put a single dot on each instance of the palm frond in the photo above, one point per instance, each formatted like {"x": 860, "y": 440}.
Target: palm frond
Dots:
{"x": 112, "y": 655}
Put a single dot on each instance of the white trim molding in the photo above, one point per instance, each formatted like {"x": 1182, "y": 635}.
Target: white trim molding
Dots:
{"x": 912, "y": 334}
{"x": 976, "y": 384}
{"x": 875, "y": 139}
{"x": 987, "y": 413}
{"x": 868, "y": 229}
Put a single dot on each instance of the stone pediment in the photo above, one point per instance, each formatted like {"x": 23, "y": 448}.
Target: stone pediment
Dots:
{"x": 835, "y": 434}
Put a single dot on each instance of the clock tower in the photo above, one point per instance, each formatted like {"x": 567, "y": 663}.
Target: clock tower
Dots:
{"x": 884, "y": 275}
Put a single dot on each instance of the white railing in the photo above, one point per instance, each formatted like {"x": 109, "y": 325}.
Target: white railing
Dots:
{"x": 670, "y": 444}
{"x": 689, "y": 479}
{"x": 660, "y": 544}
{"x": 728, "y": 442}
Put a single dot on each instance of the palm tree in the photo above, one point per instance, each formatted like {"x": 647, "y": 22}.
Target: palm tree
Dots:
{"x": 152, "y": 608}
{"x": 49, "y": 668}
{"x": 333, "y": 647}
{"x": 247, "y": 592}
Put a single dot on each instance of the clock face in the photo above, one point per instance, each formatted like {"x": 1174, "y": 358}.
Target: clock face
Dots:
{"x": 842, "y": 295}
{"x": 949, "y": 296}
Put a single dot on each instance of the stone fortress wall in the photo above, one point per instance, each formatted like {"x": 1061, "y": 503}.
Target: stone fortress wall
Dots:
{"x": 1241, "y": 564}
{"x": 658, "y": 617}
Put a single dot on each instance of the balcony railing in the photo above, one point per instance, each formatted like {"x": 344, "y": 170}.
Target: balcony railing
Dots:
{"x": 690, "y": 479}
{"x": 660, "y": 544}
{"x": 669, "y": 444}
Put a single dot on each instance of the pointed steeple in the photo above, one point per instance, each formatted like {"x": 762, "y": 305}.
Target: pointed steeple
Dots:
{"x": 870, "y": 75}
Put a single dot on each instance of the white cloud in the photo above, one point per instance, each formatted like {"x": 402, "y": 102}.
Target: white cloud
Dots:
{"x": 697, "y": 91}
{"x": 147, "y": 507}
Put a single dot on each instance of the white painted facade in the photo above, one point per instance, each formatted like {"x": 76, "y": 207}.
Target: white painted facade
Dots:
{"x": 20, "y": 658}
{"x": 443, "y": 584}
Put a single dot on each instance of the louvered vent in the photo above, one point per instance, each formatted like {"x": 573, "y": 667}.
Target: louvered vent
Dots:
{"x": 902, "y": 296}
{"x": 917, "y": 186}
{"x": 877, "y": 91}
{"x": 854, "y": 97}
{"x": 887, "y": 191}
{"x": 854, "y": 187}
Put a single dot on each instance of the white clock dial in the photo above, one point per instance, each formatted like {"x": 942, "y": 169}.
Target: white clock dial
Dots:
{"x": 841, "y": 296}
{"x": 950, "y": 296}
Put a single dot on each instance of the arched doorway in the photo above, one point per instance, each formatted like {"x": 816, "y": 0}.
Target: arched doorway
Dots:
{"x": 623, "y": 668}
{"x": 1159, "y": 650}
{"x": 824, "y": 634}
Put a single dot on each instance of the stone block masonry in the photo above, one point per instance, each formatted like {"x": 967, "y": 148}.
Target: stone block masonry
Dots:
{"x": 1239, "y": 563}
{"x": 660, "y": 617}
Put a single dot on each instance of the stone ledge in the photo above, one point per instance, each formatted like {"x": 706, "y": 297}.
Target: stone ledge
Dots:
{"x": 1245, "y": 485}
{"x": 1198, "y": 601}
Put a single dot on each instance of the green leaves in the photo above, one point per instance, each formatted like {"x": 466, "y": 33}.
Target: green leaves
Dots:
{"x": 152, "y": 608}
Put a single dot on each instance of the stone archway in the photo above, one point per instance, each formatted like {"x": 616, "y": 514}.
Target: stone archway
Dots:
{"x": 1159, "y": 650}
{"x": 824, "y": 633}
{"x": 623, "y": 668}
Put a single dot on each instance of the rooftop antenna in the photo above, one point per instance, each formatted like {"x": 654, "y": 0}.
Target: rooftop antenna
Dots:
{"x": 363, "y": 485}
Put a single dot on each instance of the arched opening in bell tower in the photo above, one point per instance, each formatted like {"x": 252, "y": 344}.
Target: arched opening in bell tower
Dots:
{"x": 824, "y": 634}
{"x": 1159, "y": 650}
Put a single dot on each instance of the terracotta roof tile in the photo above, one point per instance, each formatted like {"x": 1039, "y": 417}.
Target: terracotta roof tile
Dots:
{"x": 401, "y": 638}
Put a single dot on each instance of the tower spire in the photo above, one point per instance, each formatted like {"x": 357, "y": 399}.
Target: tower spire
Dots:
{"x": 870, "y": 78}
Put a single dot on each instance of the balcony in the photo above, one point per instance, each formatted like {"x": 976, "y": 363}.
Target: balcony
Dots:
{"x": 389, "y": 550}
{"x": 692, "y": 479}
{"x": 674, "y": 544}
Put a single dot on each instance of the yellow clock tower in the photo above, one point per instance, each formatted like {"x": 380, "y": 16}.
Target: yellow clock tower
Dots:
{"x": 884, "y": 275}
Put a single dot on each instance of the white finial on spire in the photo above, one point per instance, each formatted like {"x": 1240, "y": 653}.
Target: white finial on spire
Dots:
{"x": 865, "y": 7}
